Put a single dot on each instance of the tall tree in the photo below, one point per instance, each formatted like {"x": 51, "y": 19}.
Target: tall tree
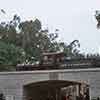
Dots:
{"x": 30, "y": 41}
{"x": 97, "y": 16}
{"x": 10, "y": 55}
{"x": 34, "y": 39}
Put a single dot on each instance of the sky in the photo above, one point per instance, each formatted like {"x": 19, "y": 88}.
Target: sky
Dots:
{"x": 74, "y": 18}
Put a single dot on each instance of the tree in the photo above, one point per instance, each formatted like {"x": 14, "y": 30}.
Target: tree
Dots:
{"x": 10, "y": 55}
{"x": 34, "y": 40}
{"x": 97, "y": 16}
{"x": 27, "y": 41}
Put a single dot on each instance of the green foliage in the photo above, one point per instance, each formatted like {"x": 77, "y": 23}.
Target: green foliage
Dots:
{"x": 10, "y": 55}
{"x": 24, "y": 42}
{"x": 33, "y": 41}
{"x": 97, "y": 16}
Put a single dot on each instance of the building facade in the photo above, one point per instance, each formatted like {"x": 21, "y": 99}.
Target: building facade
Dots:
{"x": 12, "y": 84}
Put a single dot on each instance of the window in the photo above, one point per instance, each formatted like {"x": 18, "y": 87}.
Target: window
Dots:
{"x": 9, "y": 97}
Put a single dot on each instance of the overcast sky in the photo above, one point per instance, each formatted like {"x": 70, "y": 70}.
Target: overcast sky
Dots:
{"x": 74, "y": 18}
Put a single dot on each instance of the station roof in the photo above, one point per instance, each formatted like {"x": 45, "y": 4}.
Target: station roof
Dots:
{"x": 53, "y": 84}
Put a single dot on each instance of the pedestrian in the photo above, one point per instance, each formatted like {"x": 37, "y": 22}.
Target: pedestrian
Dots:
{"x": 98, "y": 98}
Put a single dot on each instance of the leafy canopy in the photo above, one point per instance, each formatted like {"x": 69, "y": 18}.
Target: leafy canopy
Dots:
{"x": 25, "y": 41}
